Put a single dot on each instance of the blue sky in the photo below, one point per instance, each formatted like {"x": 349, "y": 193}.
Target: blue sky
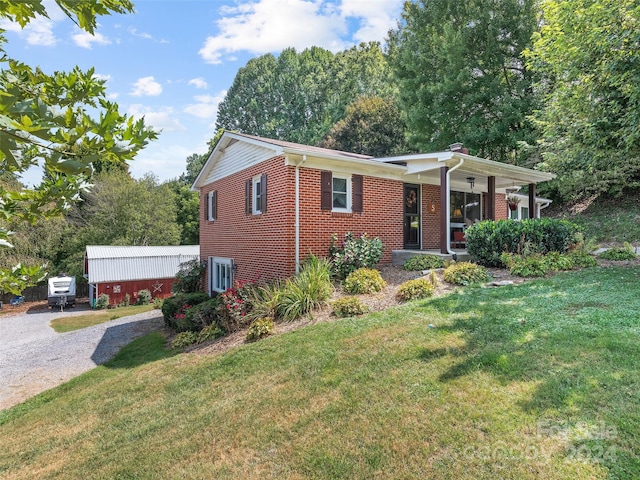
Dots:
{"x": 172, "y": 61}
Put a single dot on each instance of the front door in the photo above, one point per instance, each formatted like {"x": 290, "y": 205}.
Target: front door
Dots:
{"x": 411, "y": 216}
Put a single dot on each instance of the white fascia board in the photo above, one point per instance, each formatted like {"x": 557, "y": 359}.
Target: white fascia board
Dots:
{"x": 340, "y": 164}
{"x": 226, "y": 139}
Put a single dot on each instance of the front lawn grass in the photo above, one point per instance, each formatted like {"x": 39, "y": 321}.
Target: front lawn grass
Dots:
{"x": 533, "y": 381}
{"x": 76, "y": 322}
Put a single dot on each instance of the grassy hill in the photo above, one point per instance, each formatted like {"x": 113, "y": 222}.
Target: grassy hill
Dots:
{"x": 606, "y": 220}
{"x": 523, "y": 382}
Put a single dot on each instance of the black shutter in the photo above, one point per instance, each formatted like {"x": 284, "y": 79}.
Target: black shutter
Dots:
{"x": 263, "y": 192}
{"x": 326, "y": 179}
{"x": 207, "y": 213}
{"x": 247, "y": 197}
{"x": 214, "y": 205}
{"x": 357, "y": 193}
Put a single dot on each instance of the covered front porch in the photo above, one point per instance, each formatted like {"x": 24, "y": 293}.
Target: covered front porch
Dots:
{"x": 445, "y": 192}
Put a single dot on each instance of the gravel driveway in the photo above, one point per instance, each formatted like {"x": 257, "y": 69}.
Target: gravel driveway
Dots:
{"x": 34, "y": 358}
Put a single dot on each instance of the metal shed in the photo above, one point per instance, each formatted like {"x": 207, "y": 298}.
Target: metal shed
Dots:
{"x": 121, "y": 270}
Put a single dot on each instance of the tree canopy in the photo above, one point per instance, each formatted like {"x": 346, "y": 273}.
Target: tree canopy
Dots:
{"x": 588, "y": 56}
{"x": 372, "y": 126}
{"x": 47, "y": 120}
{"x": 461, "y": 74}
{"x": 298, "y": 97}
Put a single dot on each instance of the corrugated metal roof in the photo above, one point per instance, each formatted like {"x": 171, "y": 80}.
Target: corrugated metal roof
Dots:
{"x": 116, "y": 263}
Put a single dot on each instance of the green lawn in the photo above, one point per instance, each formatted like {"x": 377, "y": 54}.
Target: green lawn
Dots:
{"x": 527, "y": 382}
{"x": 94, "y": 317}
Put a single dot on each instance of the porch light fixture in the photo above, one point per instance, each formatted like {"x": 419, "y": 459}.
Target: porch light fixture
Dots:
{"x": 472, "y": 182}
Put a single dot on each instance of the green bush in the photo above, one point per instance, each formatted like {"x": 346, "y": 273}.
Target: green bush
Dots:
{"x": 619, "y": 253}
{"x": 174, "y": 308}
{"x": 184, "y": 339}
{"x": 260, "y": 328}
{"x": 190, "y": 278}
{"x": 582, "y": 259}
{"x": 487, "y": 240}
{"x": 103, "y": 301}
{"x": 348, "y": 307}
{"x": 199, "y": 316}
{"x": 465, "y": 273}
{"x": 235, "y": 305}
{"x": 144, "y": 297}
{"x": 307, "y": 290}
{"x": 361, "y": 252}
{"x": 364, "y": 280}
{"x": 157, "y": 303}
{"x": 525, "y": 266}
{"x": 210, "y": 332}
{"x": 423, "y": 262}
{"x": 415, "y": 289}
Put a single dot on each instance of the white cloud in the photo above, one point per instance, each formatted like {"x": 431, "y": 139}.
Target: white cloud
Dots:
{"x": 146, "y": 86}
{"x": 375, "y": 17}
{"x": 134, "y": 31}
{"x": 255, "y": 28}
{"x": 163, "y": 119}
{"x": 207, "y": 106}
{"x": 38, "y": 32}
{"x": 86, "y": 40}
{"x": 198, "y": 82}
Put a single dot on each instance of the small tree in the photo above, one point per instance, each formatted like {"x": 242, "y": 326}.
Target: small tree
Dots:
{"x": 190, "y": 277}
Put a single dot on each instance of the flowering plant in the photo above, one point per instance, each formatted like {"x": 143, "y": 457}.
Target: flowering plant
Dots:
{"x": 234, "y": 306}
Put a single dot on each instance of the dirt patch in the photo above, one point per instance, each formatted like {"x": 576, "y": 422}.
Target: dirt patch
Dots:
{"x": 33, "y": 307}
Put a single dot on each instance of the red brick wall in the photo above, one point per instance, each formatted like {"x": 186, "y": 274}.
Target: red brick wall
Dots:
{"x": 262, "y": 246}
{"x": 381, "y": 216}
{"x": 431, "y": 220}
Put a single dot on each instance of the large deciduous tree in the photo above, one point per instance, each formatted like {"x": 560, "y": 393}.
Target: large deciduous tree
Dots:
{"x": 372, "y": 126}
{"x": 48, "y": 120}
{"x": 461, "y": 74}
{"x": 298, "y": 97}
{"x": 588, "y": 56}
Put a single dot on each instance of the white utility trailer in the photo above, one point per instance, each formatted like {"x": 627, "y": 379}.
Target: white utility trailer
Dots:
{"x": 62, "y": 291}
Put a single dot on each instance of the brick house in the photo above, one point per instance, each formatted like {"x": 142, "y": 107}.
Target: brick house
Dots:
{"x": 266, "y": 204}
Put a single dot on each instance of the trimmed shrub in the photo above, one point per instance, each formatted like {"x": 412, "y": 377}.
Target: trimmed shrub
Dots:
{"x": 465, "y": 273}
{"x": 415, "y": 289}
{"x": 157, "y": 303}
{"x": 260, "y": 328}
{"x": 348, "y": 307}
{"x": 487, "y": 240}
{"x": 423, "y": 262}
{"x": 582, "y": 259}
{"x": 174, "y": 308}
{"x": 210, "y": 332}
{"x": 619, "y": 253}
{"x": 184, "y": 339}
{"x": 364, "y": 280}
{"x": 103, "y": 301}
{"x": 144, "y": 297}
{"x": 306, "y": 291}
{"x": 199, "y": 316}
{"x": 361, "y": 252}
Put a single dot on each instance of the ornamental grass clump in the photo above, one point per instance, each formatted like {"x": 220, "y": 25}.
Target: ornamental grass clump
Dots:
{"x": 307, "y": 290}
{"x": 348, "y": 307}
{"x": 416, "y": 289}
{"x": 465, "y": 273}
{"x": 364, "y": 280}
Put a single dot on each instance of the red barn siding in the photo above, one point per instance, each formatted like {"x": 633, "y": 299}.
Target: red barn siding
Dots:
{"x": 133, "y": 287}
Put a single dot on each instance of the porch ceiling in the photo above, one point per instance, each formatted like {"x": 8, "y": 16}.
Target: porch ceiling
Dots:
{"x": 428, "y": 167}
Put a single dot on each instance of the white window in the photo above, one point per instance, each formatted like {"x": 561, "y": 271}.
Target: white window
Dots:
{"x": 221, "y": 272}
{"x": 524, "y": 212}
{"x": 341, "y": 193}
{"x": 211, "y": 204}
{"x": 256, "y": 194}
